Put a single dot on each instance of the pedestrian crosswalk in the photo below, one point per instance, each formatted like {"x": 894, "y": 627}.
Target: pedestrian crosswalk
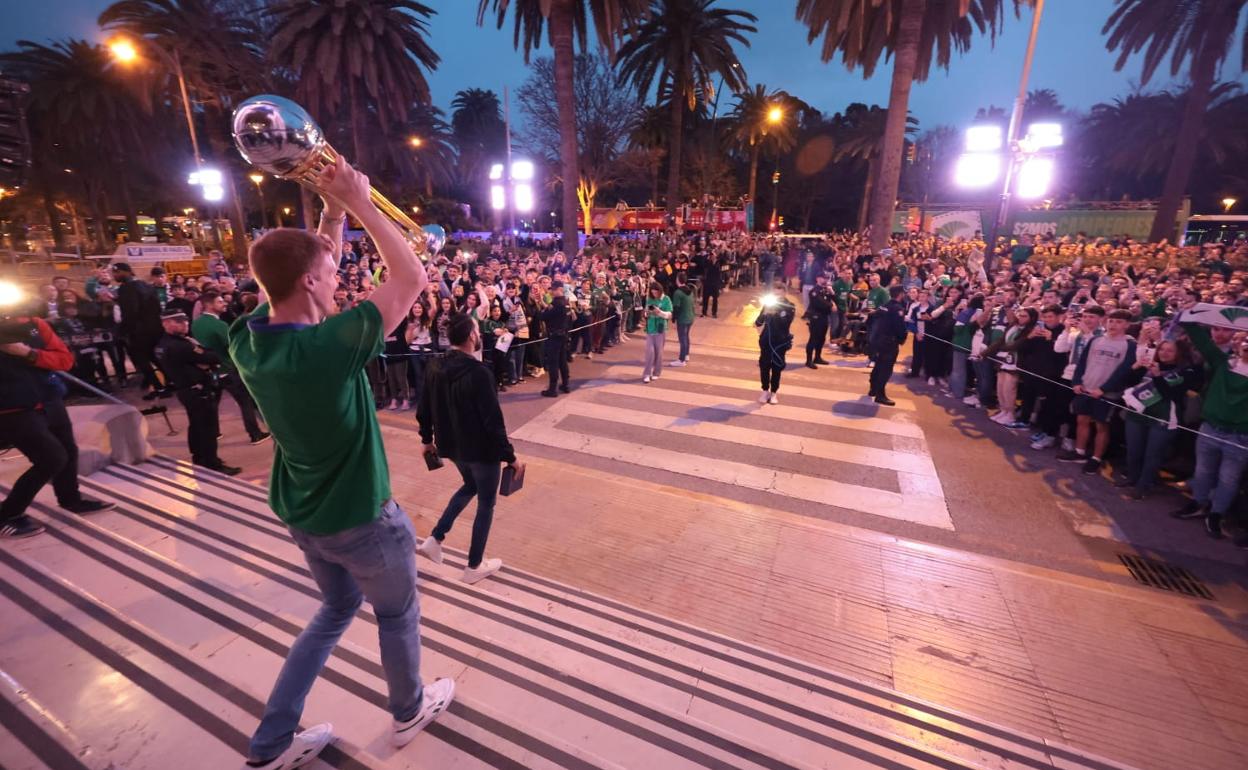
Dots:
{"x": 825, "y": 447}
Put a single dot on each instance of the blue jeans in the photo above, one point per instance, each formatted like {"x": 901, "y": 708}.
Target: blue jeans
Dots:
{"x": 1219, "y": 467}
{"x": 986, "y": 376}
{"x": 682, "y": 333}
{"x": 480, "y": 481}
{"x": 1147, "y": 443}
{"x": 957, "y": 377}
{"x": 374, "y": 561}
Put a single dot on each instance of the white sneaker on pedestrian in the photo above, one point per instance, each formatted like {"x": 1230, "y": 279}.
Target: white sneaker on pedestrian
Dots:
{"x": 931, "y": 380}
{"x": 482, "y": 571}
{"x": 1068, "y": 445}
{"x": 431, "y": 548}
{"x": 436, "y": 698}
{"x": 775, "y": 398}
{"x": 302, "y": 750}
{"x": 655, "y": 376}
{"x": 677, "y": 363}
{"x": 1046, "y": 442}
{"x": 646, "y": 379}
{"x": 765, "y": 397}
{"x": 971, "y": 400}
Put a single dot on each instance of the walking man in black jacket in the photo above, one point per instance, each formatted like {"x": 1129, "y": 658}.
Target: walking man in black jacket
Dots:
{"x": 460, "y": 420}
{"x": 888, "y": 332}
{"x": 554, "y": 319}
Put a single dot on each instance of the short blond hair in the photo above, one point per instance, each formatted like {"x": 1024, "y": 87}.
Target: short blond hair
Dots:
{"x": 280, "y": 257}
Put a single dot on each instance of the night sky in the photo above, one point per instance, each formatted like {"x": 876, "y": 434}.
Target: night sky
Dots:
{"x": 1071, "y": 57}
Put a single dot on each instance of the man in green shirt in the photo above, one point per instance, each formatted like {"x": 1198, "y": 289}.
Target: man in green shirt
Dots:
{"x": 878, "y": 295}
{"x": 330, "y": 483}
{"x": 682, "y": 314}
{"x": 213, "y": 333}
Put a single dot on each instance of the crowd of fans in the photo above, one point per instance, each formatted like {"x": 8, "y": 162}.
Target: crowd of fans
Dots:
{"x": 1077, "y": 341}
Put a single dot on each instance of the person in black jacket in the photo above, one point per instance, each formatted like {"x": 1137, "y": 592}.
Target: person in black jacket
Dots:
{"x": 888, "y": 332}
{"x": 140, "y": 323}
{"x": 460, "y": 419}
{"x": 774, "y": 340}
{"x": 555, "y": 320}
{"x": 191, "y": 370}
{"x": 818, "y": 310}
{"x": 33, "y": 419}
{"x": 711, "y": 283}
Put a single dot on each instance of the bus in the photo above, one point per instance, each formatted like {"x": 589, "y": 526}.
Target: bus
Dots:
{"x": 1228, "y": 229}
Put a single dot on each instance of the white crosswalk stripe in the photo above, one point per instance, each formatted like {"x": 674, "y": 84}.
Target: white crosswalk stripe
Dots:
{"x": 919, "y": 497}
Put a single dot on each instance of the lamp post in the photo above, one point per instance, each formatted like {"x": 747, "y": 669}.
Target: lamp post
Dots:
{"x": 258, "y": 179}
{"x": 1228, "y": 203}
{"x": 124, "y": 51}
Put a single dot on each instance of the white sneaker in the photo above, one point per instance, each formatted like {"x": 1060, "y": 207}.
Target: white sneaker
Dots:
{"x": 431, "y": 548}
{"x": 645, "y": 379}
{"x": 655, "y": 376}
{"x": 436, "y": 698}
{"x": 765, "y": 397}
{"x": 1045, "y": 443}
{"x": 775, "y": 399}
{"x": 303, "y": 749}
{"x": 677, "y": 363}
{"x": 1068, "y": 445}
{"x": 971, "y": 400}
{"x": 931, "y": 380}
{"x": 482, "y": 571}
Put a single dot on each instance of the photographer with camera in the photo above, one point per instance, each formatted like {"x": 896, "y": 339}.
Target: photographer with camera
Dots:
{"x": 34, "y": 420}
{"x": 192, "y": 372}
{"x": 774, "y": 340}
{"x": 460, "y": 419}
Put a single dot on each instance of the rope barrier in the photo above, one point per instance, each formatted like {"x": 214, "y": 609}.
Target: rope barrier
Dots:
{"x": 1123, "y": 407}
{"x": 510, "y": 348}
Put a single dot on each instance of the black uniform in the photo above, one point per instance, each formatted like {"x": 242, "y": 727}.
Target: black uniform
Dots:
{"x": 819, "y": 309}
{"x": 711, "y": 284}
{"x": 140, "y": 325}
{"x": 774, "y": 341}
{"x": 188, "y": 366}
{"x": 888, "y": 332}
{"x": 554, "y": 358}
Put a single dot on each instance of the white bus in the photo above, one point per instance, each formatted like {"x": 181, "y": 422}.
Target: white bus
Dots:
{"x": 1230, "y": 229}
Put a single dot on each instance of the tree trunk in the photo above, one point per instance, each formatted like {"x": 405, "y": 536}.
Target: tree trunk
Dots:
{"x": 673, "y": 148}
{"x": 905, "y": 60}
{"x": 873, "y": 173}
{"x": 54, "y": 221}
{"x": 561, "y": 29}
{"x": 133, "y": 231}
{"x": 754, "y": 153}
{"x": 1203, "y": 70}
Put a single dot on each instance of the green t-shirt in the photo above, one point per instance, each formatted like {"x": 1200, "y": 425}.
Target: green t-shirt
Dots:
{"x": 214, "y": 334}
{"x": 682, "y": 307}
{"x": 329, "y": 464}
{"x": 878, "y": 296}
{"x": 657, "y": 324}
{"x": 841, "y": 290}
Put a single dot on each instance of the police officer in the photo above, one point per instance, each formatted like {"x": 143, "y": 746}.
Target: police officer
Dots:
{"x": 555, "y": 318}
{"x": 818, "y": 310}
{"x": 886, "y": 335}
{"x": 189, "y": 369}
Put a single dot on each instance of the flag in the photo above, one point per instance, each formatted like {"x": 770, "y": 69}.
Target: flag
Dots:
{"x": 1226, "y": 316}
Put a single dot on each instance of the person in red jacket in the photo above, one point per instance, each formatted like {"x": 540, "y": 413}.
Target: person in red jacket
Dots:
{"x": 34, "y": 421}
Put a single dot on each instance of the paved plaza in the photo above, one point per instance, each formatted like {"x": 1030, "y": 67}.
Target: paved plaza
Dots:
{"x": 692, "y": 579}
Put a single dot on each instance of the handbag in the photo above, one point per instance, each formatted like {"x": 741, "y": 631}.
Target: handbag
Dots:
{"x": 512, "y": 480}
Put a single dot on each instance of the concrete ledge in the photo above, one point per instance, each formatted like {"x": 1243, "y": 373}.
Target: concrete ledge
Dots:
{"x": 109, "y": 433}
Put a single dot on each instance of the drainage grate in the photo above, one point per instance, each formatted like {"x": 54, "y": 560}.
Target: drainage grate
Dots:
{"x": 1167, "y": 577}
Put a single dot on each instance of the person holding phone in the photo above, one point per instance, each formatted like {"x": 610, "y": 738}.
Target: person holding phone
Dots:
{"x": 460, "y": 420}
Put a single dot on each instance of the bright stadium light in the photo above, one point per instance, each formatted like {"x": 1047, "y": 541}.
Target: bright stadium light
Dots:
{"x": 498, "y": 198}
{"x": 1043, "y": 136}
{"x": 1035, "y": 177}
{"x": 977, "y": 169}
{"x": 522, "y": 170}
{"x": 496, "y": 171}
{"x": 524, "y": 197}
{"x": 984, "y": 139}
{"x": 210, "y": 181}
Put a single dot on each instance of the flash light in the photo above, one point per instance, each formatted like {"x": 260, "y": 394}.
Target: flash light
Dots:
{"x": 11, "y": 294}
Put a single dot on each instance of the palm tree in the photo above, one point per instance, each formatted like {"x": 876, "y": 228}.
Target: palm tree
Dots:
{"x": 1195, "y": 33}
{"x": 561, "y": 22}
{"x": 365, "y": 56}
{"x": 95, "y": 116}
{"x": 1043, "y": 104}
{"x": 914, "y": 33}
{"x": 477, "y": 125}
{"x": 682, "y": 46}
{"x": 753, "y": 124}
{"x": 650, "y": 135}
{"x": 860, "y": 133}
{"x": 224, "y": 66}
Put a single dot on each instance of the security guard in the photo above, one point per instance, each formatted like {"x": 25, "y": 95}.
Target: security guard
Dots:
{"x": 189, "y": 369}
{"x": 555, "y": 319}
{"x": 818, "y": 312}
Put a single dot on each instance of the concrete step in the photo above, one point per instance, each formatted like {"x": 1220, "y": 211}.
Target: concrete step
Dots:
{"x": 186, "y": 598}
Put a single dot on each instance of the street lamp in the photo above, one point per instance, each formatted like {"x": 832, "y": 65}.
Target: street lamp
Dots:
{"x": 775, "y": 115}
{"x": 1228, "y": 203}
{"x": 211, "y": 181}
{"x": 415, "y": 141}
{"x": 124, "y": 51}
{"x": 258, "y": 179}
